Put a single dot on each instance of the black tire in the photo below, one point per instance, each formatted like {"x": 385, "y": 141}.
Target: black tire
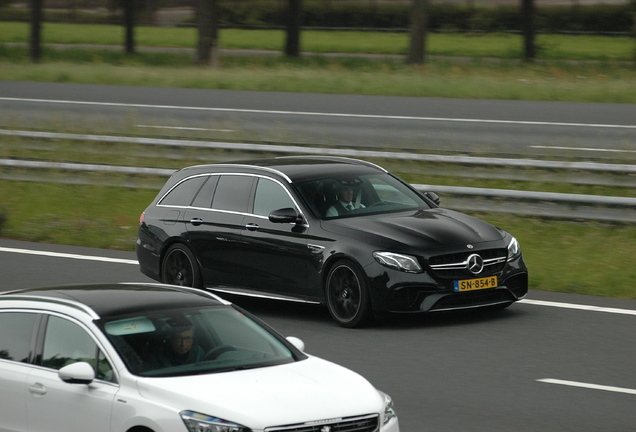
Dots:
{"x": 180, "y": 267}
{"x": 347, "y": 295}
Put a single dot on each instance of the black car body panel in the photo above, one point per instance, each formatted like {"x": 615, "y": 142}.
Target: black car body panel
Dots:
{"x": 269, "y": 228}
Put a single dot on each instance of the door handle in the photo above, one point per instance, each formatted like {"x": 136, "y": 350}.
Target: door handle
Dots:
{"x": 252, "y": 227}
{"x": 37, "y": 389}
{"x": 196, "y": 221}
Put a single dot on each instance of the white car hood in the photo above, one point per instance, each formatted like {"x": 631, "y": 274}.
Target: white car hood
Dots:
{"x": 308, "y": 390}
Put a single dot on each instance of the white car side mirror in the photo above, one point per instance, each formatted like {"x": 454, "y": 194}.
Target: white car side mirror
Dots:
{"x": 77, "y": 373}
{"x": 299, "y": 344}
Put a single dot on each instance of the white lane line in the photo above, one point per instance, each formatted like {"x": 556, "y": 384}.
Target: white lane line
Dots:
{"x": 578, "y": 306}
{"x": 198, "y": 129}
{"x": 584, "y": 149}
{"x": 322, "y": 114}
{"x": 71, "y": 256}
{"x": 135, "y": 262}
{"x": 588, "y": 386}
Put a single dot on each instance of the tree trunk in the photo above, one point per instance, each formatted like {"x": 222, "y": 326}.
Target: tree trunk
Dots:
{"x": 294, "y": 21}
{"x": 419, "y": 23}
{"x": 207, "y": 46}
{"x": 35, "y": 45}
{"x": 527, "y": 10}
{"x": 130, "y": 9}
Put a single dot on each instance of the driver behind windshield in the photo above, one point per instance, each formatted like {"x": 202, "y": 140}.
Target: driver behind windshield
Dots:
{"x": 344, "y": 203}
{"x": 179, "y": 349}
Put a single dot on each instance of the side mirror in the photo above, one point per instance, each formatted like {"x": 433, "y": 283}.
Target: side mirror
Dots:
{"x": 77, "y": 373}
{"x": 433, "y": 197}
{"x": 299, "y": 344}
{"x": 285, "y": 215}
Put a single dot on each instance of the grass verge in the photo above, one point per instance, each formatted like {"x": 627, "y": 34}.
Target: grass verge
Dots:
{"x": 499, "y": 45}
{"x": 476, "y": 79}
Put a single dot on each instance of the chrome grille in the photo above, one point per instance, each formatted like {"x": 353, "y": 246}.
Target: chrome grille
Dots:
{"x": 368, "y": 423}
{"x": 455, "y": 265}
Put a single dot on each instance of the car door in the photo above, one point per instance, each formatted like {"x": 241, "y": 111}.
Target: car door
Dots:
{"x": 57, "y": 406}
{"x": 277, "y": 253}
{"x": 16, "y": 336}
{"x": 214, "y": 223}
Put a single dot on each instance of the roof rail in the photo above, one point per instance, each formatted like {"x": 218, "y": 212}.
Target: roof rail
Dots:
{"x": 54, "y": 300}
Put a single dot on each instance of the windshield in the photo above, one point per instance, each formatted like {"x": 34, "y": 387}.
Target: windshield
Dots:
{"x": 350, "y": 196}
{"x": 194, "y": 341}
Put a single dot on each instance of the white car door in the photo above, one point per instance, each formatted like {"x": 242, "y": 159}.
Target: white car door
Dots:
{"x": 57, "y": 406}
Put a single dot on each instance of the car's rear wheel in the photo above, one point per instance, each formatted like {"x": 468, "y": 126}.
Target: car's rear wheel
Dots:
{"x": 347, "y": 295}
{"x": 180, "y": 267}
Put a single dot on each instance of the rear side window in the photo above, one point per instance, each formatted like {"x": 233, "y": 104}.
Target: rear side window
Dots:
{"x": 16, "y": 329}
{"x": 183, "y": 194}
{"x": 204, "y": 197}
{"x": 232, "y": 193}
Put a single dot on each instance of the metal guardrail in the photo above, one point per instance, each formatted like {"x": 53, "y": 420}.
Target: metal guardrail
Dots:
{"x": 542, "y": 204}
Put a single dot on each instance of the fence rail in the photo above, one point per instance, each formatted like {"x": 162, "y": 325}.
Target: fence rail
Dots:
{"x": 543, "y": 204}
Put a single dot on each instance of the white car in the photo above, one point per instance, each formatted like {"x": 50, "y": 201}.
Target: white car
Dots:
{"x": 159, "y": 358}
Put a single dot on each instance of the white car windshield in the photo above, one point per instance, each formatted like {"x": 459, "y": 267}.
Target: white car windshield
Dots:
{"x": 194, "y": 341}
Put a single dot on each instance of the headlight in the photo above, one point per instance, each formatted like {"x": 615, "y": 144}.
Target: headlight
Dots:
{"x": 389, "y": 410}
{"x": 400, "y": 262}
{"x": 513, "y": 249}
{"x": 196, "y": 422}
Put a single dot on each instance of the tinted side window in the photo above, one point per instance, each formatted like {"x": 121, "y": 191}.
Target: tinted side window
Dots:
{"x": 183, "y": 194}
{"x": 204, "y": 197}
{"x": 16, "y": 329}
{"x": 270, "y": 196}
{"x": 232, "y": 193}
{"x": 65, "y": 343}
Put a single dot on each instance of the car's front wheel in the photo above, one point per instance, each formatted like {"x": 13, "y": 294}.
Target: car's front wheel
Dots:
{"x": 347, "y": 295}
{"x": 180, "y": 267}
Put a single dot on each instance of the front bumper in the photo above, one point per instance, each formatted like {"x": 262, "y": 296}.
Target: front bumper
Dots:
{"x": 397, "y": 292}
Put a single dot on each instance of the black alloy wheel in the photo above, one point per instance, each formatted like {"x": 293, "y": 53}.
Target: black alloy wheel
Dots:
{"x": 347, "y": 295}
{"x": 180, "y": 267}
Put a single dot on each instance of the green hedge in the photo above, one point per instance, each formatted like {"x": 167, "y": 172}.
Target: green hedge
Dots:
{"x": 589, "y": 18}
{"x": 442, "y": 17}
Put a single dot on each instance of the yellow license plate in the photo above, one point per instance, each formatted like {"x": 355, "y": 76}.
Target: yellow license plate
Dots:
{"x": 475, "y": 284}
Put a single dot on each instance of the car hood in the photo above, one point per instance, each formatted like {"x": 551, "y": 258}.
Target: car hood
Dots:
{"x": 311, "y": 389}
{"x": 434, "y": 229}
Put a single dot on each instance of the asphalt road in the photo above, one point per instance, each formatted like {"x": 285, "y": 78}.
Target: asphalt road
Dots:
{"x": 453, "y": 372}
{"x": 482, "y": 127}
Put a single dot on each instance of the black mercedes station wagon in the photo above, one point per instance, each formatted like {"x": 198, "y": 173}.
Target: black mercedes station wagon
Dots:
{"x": 340, "y": 232}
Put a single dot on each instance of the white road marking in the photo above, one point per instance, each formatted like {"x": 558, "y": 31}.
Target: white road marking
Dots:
{"x": 307, "y": 113}
{"x": 584, "y": 149}
{"x": 135, "y": 262}
{"x": 184, "y": 128}
{"x": 588, "y": 386}
{"x": 578, "y": 306}
{"x": 71, "y": 256}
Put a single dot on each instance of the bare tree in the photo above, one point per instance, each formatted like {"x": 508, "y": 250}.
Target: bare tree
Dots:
{"x": 527, "y": 12}
{"x": 419, "y": 24}
{"x": 207, "y": 47}
{"x": 294, "y": 22}
{"x": 35, "y": 44}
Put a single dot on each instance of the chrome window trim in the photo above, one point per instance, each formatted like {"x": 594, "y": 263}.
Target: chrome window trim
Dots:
{"x": 297, "y": 207}
{"x": 62, "y": 315}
